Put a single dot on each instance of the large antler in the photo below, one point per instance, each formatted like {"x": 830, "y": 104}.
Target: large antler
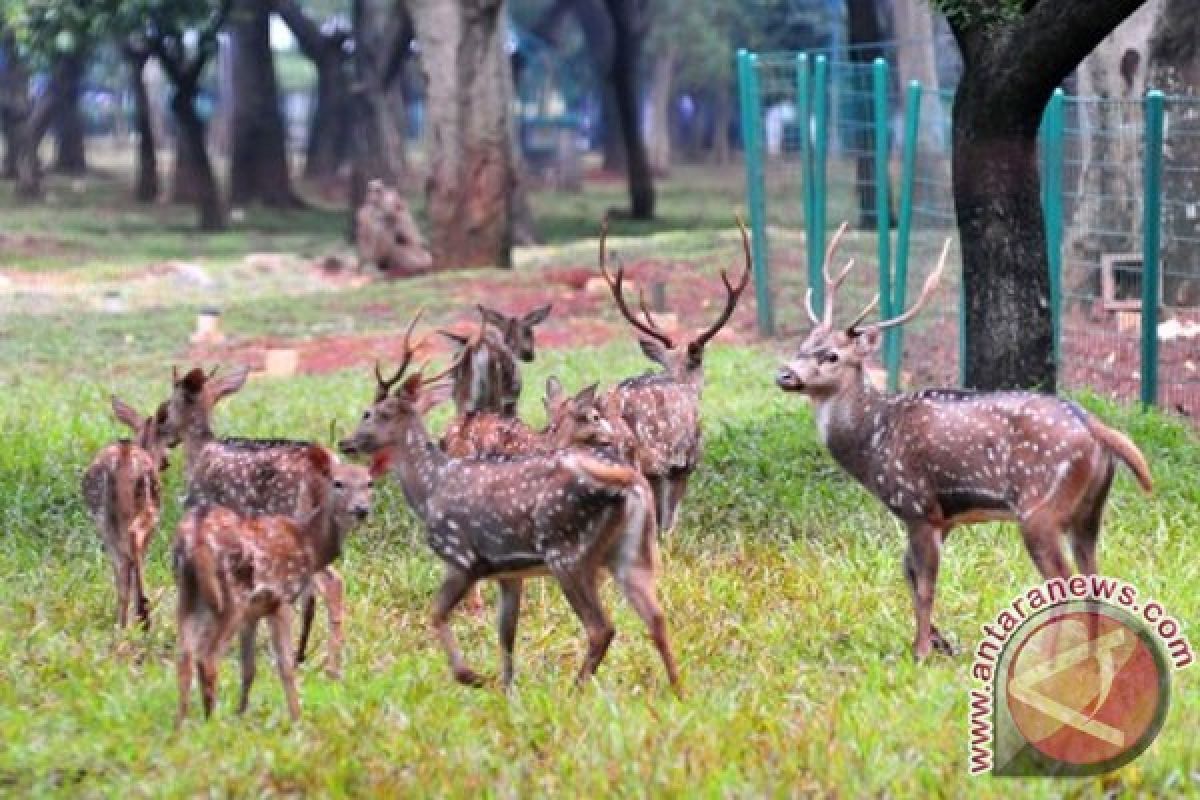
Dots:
{"x": 614, "y": 285}
{"x": 926, "y": 290}
{"x": 385, "y": 385}
{"x": 732, "y": 293}
{"x": 832, "y": 283}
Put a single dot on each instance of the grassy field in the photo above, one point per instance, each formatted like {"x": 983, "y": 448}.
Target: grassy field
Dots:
{"x": 782, "y": 585}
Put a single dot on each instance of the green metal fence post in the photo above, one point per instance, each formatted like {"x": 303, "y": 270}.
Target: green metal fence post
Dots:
{"x": 883, "y": 213}
{"x": 804, "y": 118}
{"x": 752, "y": 149}
{"x": 820, "y": 103}
{"x": 912, "y": 119}
{"x": 1052, "y": 208}
{"x": 1151, "y": 232}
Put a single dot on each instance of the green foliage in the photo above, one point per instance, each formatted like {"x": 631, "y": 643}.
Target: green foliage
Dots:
{"x": 986, "y": 15}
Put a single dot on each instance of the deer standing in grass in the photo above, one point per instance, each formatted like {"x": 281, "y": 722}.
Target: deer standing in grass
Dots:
{"x": 233, "y": 569}
{"x": 123, "y": 493}
{"x": 249, "y": 476}
{"x": 570, "y": 515}
{"x": 486, "y": 374}
{"x": 662, "y": 409}
{"x": 941, "y": 458}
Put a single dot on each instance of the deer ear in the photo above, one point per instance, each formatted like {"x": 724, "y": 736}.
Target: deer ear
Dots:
{"x": 654, "y": 351}
{"x": 494, "y": 317}
{"x": 554, "y": 391}
{"x": 587, "y": 396}
{"x": 412, "y": 384}
{"x": 227, "y": 384}
{"x": 193, "y": 381}
{"x": 433, "y": 396}
{"x": 126, "y": 414}
{"x": 866, "y": 342}
{"x": 537, "y": 316}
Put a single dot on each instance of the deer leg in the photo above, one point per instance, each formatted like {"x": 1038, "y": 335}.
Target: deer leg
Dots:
{"x": 143, "y": 604}
{"x": 307, "y": 613}
{"x": 637, "y": 584}
{"x": 122, "y": 576}
{"x": 1042, "y": 533}
{"x": 207, "y": 669}
{"x": 921, "y": 569}
{"x": 509, "y": 609}
{"x": 1085, "y": 528}
{"x": 662, "y": 498}
{"x": 581, "y": 591}
{"x": 455, "y": 586}
{"x": 184, "y": 667}
{"x": 332, "y": 590}
{"x": 677, "y": 487}
{"x": 280, "y": 623}
{"x": 249, "y": 634}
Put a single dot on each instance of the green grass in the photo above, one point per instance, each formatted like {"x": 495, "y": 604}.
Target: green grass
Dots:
{"x": 782, "y": 585}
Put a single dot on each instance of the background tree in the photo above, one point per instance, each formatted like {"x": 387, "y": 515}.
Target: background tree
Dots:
{"x": 136, "y": 52}
{"x": 1015, "y": 53}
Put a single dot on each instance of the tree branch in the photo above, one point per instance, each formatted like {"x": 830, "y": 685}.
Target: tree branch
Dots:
{"x": 308, "y": 34}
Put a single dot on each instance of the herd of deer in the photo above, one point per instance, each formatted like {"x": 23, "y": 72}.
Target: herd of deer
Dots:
{"x": 264, "y": 520}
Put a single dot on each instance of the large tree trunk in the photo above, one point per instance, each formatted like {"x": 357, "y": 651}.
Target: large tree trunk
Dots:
{"x": 14, "y": 101}
{"x": 997, "y": 111}
{"x": 68, "y": 122}
{"x": 660, "y": 105}
{"x": 258, "y": 169}
{"x": 30, "y": 132}
{"x": 863, "y": 26}
{"x": 722, "y": 112}
{"x": 146, "y": 186}
{"x": 194, "y": 177}
{"x": 628, "y": 25}
{"x": 471, "y": 178}
{"x": 1175, "y": 69}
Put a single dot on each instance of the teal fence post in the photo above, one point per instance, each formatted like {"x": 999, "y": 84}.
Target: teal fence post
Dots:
{"x": 1052, "y": 208}
{"x": 883, "y": 213}
{"x": 804, "y": 119}
{"x": 1151, "y": 232}
{"x": 912, "y": 119}
{"x": 747, "y": 63}
{"x": 820, "y": 103}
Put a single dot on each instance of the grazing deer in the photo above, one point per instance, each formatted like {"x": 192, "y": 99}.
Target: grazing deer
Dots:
{"x": 122, "y": 492}
{"x": 569, "y": 514}
{"x": 662, "y": 409}
{"x": 234, "y": 569}
{"x": 248, "y": 476}
{"x": 943, "y": 457}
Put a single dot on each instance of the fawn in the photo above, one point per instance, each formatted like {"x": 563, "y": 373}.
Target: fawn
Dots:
{"x": 569, "y": 514}
{"x": 485, "y": 372}
{"x": 122, "y": 492}
{"x": 248, "y": 476}
{"x": 233, "y": 569}
{"x": 662, "y": 409}
{"x": 943, "y": 457}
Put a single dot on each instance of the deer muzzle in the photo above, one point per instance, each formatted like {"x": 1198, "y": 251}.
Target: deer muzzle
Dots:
{"x": 788, "y": 380}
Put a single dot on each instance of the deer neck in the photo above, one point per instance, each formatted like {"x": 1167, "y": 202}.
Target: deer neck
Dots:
{"x": 196, "y": 436}
{"x": 417, "y": 464}
{"x": 320, "y": 537}
{"x": 847, "y": 421}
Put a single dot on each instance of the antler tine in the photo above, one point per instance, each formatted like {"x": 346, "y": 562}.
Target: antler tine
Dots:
{"x": 871, "y": 306}
{"x": 615, "y": 286}
{"x": 831, "y": 283}
{"x": 732, "y": 293}
{"x": 926, "y": 291}
{"x": 385, "y": 386}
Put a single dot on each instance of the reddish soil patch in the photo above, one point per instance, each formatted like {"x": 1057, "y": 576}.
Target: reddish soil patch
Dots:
{"x": 27, "y": 245}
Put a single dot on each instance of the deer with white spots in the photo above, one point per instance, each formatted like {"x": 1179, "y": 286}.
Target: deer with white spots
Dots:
{"x": 662, "y": 409}
{"x": 486, "y": 374}
{"x": 249, "y": 476}
{"x": 122, "y": 491}
{"x": 942, "y": 458}
{"x": 570, "y": 514}
{"x": 233, "y": 569}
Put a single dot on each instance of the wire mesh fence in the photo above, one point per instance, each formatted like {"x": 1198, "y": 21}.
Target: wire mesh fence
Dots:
{"x": 837, "y": 140}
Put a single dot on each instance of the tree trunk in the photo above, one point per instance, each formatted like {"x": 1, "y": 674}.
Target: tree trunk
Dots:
{"x": 471, "y": 180}
{"x": 194, "y": 177}
{"x": 258, "y": 170}
{"x": 863, "y": 27}
{"x": 68, "y": 122}
{"x": 1012, "y": 66}
{"x": 721, "y": 121}
{"x": 612, "y": 142}
{"x": 1175, "y": 69}
{"x": 146, "y": 188}
{"x": 328, "y": 127}
{"x": 915, "y": 61}
{"x": 31, "y": 130}
{"x": 14, "y": 101}
{"x": 660, "y": 109}
{"x": 628, "y": 23}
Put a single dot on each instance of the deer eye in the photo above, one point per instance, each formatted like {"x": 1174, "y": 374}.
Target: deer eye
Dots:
{"x": 339, "y": 485}
{"x": 367, "y": 414}
{"x": 830, "y": 358}
{"x": 370, "y": 484}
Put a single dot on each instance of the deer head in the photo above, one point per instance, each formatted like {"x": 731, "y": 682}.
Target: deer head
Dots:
{"x": 575, "y": 420}
{"x": 149, "y": 433}
{"x": 517, "y": 331}
{"x": 683, "y": 361}
{"x": 831, "y": 358}
{"x": 189, "y": 409}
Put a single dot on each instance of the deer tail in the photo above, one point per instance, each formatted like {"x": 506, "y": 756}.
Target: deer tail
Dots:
{"x": 205, "y": 567}
{"x": 1123, "y": 448}
{"x": 597, "y": 471}
{"x": 121, "y": 491}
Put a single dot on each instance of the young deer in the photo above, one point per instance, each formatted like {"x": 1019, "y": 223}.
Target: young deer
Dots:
{"x": 569, "y": 514}
{"x": 943, "y": 457}
{"x": 122, "y": 492}
{"x": 517, "y": 331}
{"x": 248, "y": 476}
{"x": 662, "y": 409}
{"x": 234, "y": 569}
{"x": 485, "y": 372}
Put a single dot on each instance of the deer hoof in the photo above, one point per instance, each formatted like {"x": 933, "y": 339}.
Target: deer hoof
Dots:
{"x": 468, "y": 677}
{"x": 944, "y": 646}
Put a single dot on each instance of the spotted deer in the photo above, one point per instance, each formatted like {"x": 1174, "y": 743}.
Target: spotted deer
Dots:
{"x": 122, "y": 491}
{"x": 517, "y": 331}
{"x": 941, "y": 458}
{"x": 233, "y": 569}
{"x": 485, "y": 375}
{"x": 662, "y": 409}
{"x": 262, "y": 476}
{"x": 570, "y": 515}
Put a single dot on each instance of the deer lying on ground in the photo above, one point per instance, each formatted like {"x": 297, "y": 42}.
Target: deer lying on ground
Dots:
{"x": 234, "y": 569}
{"x": 569, "y": 515}
{"x": 248, "y": 476}
{"x": 662, "y": 409}
{"x": 122, "y": 492}
{"x": 943, "y": 457}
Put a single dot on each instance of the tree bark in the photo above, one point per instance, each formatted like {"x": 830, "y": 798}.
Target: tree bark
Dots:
{"x": 193, "y": 170}
{"x": 258, "y": 170}
{"x": 864, "y": 27}
{"x": 30, "y": 132}
{"x": 628, "y": 25}
{"x": 68, "y": 122}
{"x": 471, "y": 180}
{"x": 722, "y": 112}
{"x": 1012, "y": 64}
{"x": 915, "y": 61}
{"x": 146, "y": 187}
{"x": 14, "y": 102}
{"x": 660, "y": 105}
